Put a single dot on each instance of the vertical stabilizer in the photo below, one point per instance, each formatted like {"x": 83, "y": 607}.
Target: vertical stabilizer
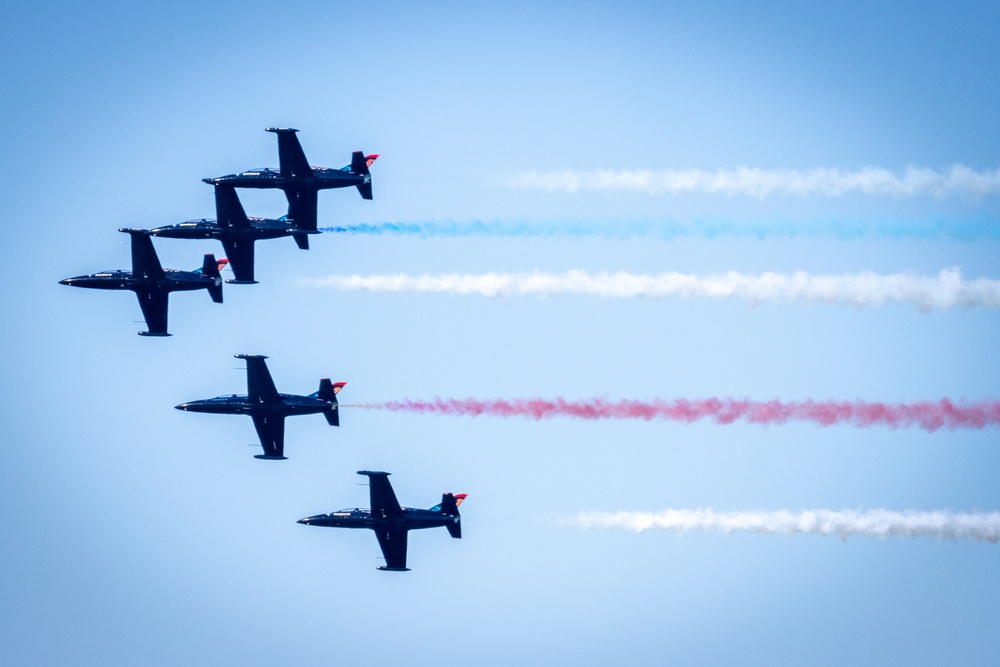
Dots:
{"x": 210, "y": 268}
{"x": 328, "y": 392}
{"x": 449, "y": 507}
{"x": 359, "y": 165}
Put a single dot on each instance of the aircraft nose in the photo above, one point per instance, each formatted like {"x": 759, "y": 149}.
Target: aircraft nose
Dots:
{"x": 182, "y": 406}
{"x": 304, "y": 521}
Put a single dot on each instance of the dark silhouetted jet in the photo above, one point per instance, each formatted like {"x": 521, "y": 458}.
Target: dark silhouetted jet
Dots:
{"x": 391, "y": 522}
{"x": 268, "y": 408}
{"x": 300, "y": 181}
{"x": 236, "y": 231}
{"x": 152, "y": 283}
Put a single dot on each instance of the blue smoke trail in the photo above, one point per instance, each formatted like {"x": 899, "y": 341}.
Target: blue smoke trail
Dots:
{"x": 967, "y": 229}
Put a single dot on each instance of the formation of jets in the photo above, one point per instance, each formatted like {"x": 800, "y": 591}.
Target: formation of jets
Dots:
{"x": 238, "y": 233}
{"x": 301, "y": 182}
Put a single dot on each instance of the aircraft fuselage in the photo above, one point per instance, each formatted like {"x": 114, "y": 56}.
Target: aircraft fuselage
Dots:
{"x": 174, "y": 281}
{"x": 260, "y": 229}
{"x": 412, "y": 519}
{"x": 268, "y": 408}
{"x": 322, "y": 178}
{"x": 235, "y": 404}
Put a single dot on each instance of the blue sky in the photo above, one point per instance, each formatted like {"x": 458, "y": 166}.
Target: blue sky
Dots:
{"x": 137, "y": 534}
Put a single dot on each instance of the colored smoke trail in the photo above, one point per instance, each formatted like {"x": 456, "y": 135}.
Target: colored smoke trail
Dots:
{"x": 761, "y": 183}
{"x": 927, "y": 415}
{"x": 942, "y": 525}
{"x": 943, "y": 228}
{"x": 947, "y": 290}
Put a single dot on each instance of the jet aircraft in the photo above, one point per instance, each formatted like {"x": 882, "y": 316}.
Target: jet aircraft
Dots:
{"x": 236, "y": 231}
{"x": 300, "y": 181}
{"x": 391, "y": 522}
{"x": 268, "y": 408}
{"x": 152, "y": 283}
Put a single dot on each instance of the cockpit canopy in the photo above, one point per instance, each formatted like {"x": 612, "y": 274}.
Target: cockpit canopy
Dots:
{"x": 350, "y": 512}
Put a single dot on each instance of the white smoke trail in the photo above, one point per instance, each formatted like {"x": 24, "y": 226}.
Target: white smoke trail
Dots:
{"x": 942, "y": 525}
{"x": 761, "y": 183}
{"x": 947, "y": 290}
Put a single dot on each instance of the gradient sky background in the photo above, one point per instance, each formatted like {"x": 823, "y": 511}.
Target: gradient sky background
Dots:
{"x": 137, "y": 534}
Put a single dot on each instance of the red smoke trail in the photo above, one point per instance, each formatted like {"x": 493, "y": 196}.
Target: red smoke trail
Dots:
{"x": 927, "y": 415}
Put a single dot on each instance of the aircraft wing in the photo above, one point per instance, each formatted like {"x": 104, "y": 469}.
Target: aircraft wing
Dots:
{"x": 239, "y": 252}
{"x": 302, "y": 208}
{"x": 260, "y": 386}
{"x": 271, "y": 431}
{"x": 383, "y": 498}
{"x": 145, "y": 263}
{"x": 290, "y": 156}
{"x": 393, "y": 544}
{"x": 154, "y": 309}
{"x": 229, "y": 211}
